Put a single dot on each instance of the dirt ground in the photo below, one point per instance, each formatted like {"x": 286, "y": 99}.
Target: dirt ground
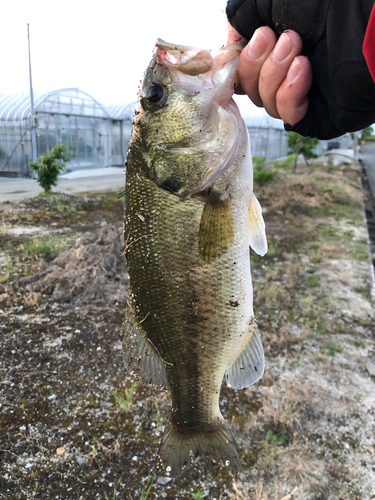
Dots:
{"x": 74, "y": 426}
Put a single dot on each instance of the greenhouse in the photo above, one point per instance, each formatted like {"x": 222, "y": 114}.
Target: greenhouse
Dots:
{"x": 99, "y": 134}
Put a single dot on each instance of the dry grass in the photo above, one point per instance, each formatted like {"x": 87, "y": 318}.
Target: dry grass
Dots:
{"x": 261, "y": 494}
{"x": 303, "y": 192}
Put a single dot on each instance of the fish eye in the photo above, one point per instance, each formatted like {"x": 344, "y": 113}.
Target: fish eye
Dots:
{"x": 155, "y": 97}
{"x": 154, "y": 94}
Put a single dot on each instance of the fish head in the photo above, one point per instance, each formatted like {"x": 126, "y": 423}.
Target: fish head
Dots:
{"x": 186, "y": 119}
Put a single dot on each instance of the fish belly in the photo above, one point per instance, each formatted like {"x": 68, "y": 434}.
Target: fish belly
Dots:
{"x": 195, "y": 314}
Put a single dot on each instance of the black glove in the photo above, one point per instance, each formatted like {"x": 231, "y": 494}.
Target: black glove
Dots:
{"x": 342, "y": 95}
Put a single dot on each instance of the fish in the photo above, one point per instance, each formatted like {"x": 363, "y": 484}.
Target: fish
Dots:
{"x": 190, "y": 217}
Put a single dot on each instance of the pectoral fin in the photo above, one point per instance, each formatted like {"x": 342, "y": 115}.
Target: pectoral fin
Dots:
{"x": 257, "y": 227}
{"x": 141, "y": 359}
{"x": 216, "y": 231}
{"x": 249, "y": 365}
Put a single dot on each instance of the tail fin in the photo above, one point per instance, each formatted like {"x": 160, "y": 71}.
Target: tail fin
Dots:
{"x": 178, "y": 450}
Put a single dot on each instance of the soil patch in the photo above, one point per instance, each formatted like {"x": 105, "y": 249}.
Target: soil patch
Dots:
{"x": 92, "y": 271}
{"x": 74, "y": 425}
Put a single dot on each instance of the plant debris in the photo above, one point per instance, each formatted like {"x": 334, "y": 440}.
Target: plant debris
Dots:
{"x": 305, "y": 431}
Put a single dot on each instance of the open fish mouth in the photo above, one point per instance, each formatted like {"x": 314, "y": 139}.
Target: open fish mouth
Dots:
{"x": 201, "y": 68}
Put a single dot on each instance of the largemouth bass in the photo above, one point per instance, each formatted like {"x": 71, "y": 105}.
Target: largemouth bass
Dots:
{"x": 190, "y": 217}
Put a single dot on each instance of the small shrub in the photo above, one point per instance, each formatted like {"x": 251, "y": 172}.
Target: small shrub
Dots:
{"x": 261, "y": 175}
{"x": 49, "y": 165}
{"x": 302, "y": 145}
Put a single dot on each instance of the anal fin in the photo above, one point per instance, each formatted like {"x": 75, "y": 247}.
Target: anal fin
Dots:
{"x": 141, "y": 359}
{"x": 249, "y": 365}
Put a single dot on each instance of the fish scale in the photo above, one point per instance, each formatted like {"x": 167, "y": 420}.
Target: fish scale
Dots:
{"x": 190, "y": 313}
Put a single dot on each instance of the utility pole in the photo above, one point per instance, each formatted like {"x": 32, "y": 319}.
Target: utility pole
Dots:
{"x": 33, "y": 120}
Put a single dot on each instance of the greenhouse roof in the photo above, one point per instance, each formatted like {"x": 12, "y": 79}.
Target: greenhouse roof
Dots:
{"x": 121, "y": 111}
{"x": 73, "y": 102}
{"x": 263, "y": 121}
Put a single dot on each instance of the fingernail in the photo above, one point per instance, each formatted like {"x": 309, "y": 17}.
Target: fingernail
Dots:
{"x": 282, "y": 49}
{"x": 293, "y": 71}
{"x": 257, "y": 45}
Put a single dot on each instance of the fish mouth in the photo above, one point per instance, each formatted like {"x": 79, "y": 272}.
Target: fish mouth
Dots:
{"x": 202, "y": 69}
{"x": 213, "y": 75}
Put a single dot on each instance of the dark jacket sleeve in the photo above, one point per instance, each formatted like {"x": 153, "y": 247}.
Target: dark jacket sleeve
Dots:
{"x": 342, "y": 95}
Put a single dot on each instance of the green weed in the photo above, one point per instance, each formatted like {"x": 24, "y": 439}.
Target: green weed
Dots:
{"x": 250, "y": 458}
{"x": 114, "y": 490}
{"x": 312, "y": 280}
{"x": 198, "y": 495}
{"x": 337, "y": 211}
{"x": 331, "y": 351}
{"x": 360, "y": 253}
{"x": 358, "y": 343}
{"x": 286, "y": 164}
{"x": 271, "y": 249}
{"x": 48, "y": 249}
{"x": 274, "y": 438}
{"x": 159, "y": 419}
{"x": 126, "y": 402}
{"x": 272, "y": 442}
{"x": 328, "y": 233}
{"x": 147, "y": 487}
{"x": 315, "y": 260}
{"x": 64, "y": 208}
{"x": 271, "y": 294}
{"x": 362, "y": 290}
{"x": 349, "y": 234}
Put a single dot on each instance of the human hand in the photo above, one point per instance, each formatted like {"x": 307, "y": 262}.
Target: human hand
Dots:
{"x": 273, "y": 73}
{"x": 324, "y": 96}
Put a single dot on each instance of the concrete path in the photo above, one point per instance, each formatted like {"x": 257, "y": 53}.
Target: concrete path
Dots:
{"x": 100, "y": 179}
{"x": 367, "y": 155}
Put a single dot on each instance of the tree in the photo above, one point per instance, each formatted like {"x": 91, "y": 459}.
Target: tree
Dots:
{"x": 49, "y": 165}
{"x": 367, "y": 135}
{"x": 302, "y": 145}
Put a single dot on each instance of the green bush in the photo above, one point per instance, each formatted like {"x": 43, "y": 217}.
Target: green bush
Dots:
{"x": 261, "y": 175}
{"x": 49, "y": 165}
{"x": 302, "y": 145}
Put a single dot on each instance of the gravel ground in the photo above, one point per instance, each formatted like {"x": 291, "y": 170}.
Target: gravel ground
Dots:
{"x": 73, "y": 425}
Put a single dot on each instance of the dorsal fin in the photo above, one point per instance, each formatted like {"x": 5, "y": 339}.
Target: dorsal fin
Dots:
{"x": 257, "y": 227}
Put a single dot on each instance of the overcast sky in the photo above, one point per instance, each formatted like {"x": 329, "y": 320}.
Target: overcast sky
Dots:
{"x": 100, "y": 47}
